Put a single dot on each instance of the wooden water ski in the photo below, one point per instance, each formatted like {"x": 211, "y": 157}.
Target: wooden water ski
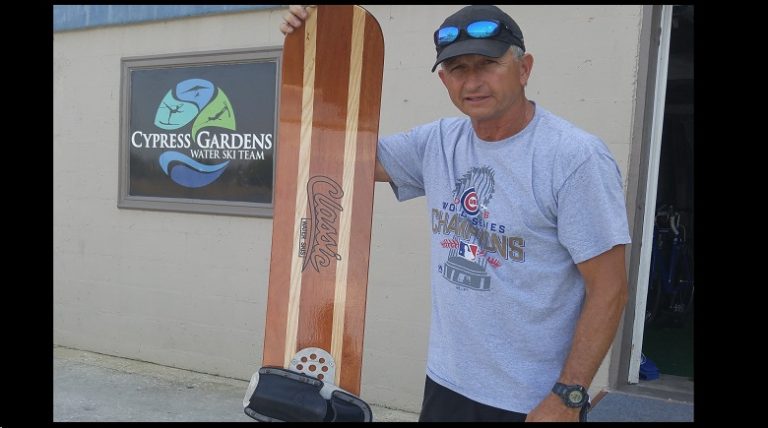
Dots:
{"x": 326, "y": 155}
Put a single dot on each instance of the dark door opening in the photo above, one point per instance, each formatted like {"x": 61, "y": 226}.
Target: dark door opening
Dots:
{"x": 668, "y": 333}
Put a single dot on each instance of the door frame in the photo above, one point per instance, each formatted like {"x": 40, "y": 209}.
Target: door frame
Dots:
{"x": 643, "y": 178}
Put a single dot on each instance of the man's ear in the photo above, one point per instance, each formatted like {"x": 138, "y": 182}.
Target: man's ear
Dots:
{"x": 441, "y": 73}
{"x": 526, "y": 65}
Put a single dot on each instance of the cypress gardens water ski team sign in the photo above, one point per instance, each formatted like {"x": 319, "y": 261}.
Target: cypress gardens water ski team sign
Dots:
{"x": 198, "y": 132}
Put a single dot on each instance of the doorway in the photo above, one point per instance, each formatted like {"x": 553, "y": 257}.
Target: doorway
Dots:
{"x": 667, "y": 345}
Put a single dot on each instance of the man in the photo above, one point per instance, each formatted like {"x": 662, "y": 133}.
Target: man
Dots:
{"x": 528, "y": 234}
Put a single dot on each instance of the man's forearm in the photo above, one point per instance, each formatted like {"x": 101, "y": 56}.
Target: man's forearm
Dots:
{"x": 606, "y": 296}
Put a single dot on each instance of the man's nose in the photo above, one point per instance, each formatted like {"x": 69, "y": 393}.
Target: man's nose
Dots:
{"x": 474, "y": 78}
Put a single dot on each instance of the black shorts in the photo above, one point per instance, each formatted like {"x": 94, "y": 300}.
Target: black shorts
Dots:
{"x": 443, "y": 405}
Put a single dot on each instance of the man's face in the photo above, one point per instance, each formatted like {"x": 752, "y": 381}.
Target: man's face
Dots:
{"x": 485, "y": 88}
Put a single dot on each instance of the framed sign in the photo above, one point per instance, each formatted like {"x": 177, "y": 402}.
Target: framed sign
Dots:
{"x": 198, "y": 132}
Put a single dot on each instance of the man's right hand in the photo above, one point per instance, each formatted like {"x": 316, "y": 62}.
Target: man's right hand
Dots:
{"x": 293, "y": 18}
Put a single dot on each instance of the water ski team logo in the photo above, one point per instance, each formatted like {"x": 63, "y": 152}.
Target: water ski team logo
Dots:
{"x": 201, "y": 103}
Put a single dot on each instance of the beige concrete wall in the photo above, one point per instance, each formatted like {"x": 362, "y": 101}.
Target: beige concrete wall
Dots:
{"x": 189, "y": 290}
{"x": 185, "y": 290}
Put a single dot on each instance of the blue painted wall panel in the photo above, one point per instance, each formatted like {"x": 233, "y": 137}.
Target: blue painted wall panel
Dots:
{"x": 74, "y": 17}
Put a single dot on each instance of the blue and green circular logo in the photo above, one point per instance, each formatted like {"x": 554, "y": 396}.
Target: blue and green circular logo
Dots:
{"x": 201, "y": 103}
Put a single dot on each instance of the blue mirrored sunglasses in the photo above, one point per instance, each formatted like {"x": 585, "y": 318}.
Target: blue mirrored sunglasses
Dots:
{"x": 477, "y": 30}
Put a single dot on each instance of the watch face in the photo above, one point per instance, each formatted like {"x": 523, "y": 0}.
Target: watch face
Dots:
{"x": 575, "y": 396}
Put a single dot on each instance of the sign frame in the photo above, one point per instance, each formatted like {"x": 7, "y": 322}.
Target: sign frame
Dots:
{"x": 184, "y": 60}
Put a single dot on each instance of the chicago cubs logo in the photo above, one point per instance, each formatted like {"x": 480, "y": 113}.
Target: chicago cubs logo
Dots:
{"x": 469, "y": 201}
{"x": 474, "y": 190}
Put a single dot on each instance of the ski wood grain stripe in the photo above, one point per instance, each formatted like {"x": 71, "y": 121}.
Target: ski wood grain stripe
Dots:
{"x": 287, "y": 158}
{"x": 360, "y": 245}
{"x": 326, "y": 165}
{"x": 350, "y": 158}
{"x": 302, "y": 176}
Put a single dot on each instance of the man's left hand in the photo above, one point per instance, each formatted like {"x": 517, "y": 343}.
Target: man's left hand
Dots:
{"x": 552, "y": 409}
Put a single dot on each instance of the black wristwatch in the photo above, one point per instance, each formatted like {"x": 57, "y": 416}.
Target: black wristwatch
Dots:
{"x": 572, "y": 395}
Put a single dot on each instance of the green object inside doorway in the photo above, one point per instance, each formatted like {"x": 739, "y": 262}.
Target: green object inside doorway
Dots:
{"x": 670, "y": 347}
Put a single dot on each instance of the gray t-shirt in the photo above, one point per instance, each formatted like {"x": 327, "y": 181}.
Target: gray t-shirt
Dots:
{"x": 510, "y": 219}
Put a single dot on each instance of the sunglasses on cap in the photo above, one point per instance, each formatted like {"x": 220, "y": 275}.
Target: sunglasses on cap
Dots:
{"x": 477, "y": 30}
